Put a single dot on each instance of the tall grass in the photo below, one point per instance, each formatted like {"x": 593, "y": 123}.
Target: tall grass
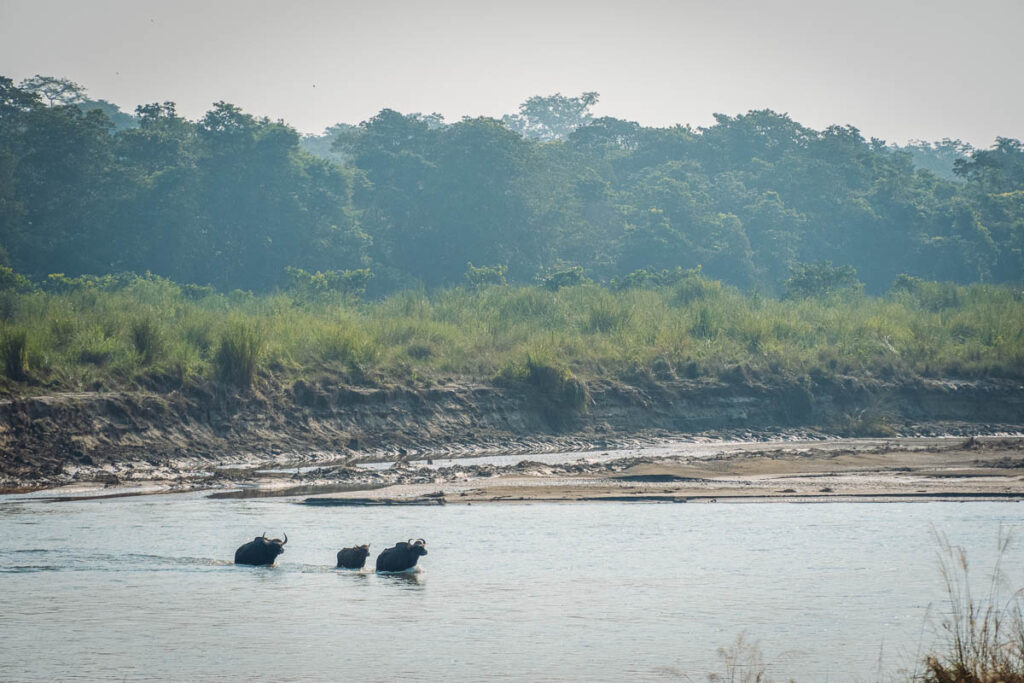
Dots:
{"x": 14, "y": 351}
{"x": 984, "y": 635}
{"x": 688, "y": 329}
{"x": 239, "y": 354}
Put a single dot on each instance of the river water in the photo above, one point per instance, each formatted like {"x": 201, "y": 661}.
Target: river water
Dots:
{"x": 144, "y": 589}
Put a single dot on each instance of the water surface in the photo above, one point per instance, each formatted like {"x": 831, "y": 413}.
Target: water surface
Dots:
{"x": 143, "y": 589}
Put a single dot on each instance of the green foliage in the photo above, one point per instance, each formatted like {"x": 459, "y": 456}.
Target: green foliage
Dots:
{"x": 11, "y": 281}
{"x": 820, "y": 280}
{"x": 14, "y": 351}
{"x": 59, "y": 282}
{"x": 606, "y": 314}
{"x": 933, "y": 296}
{"x": 645, "y": 279}
{"x": 241, "y": 349}
{"x": 232, "y": 200}
{"x": 148, "y": 338}
{"x": 563, "y": 277}
{"x": 319, "y": 286}
{"x": 552, "y": 117}
{"x": 485, "y": 275}
{"x": 692, "y": 286}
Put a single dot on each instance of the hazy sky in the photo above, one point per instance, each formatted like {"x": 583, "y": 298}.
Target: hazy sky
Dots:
{"x": 896, "y": 69}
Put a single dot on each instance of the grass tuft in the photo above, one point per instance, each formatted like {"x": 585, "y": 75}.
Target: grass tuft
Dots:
{"x": 14, "y": 350}
{"x": 238, "y": 356}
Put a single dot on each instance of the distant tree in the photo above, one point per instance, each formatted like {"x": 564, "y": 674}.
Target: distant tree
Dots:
{"x": 551, "y": 117}
{"x": 55, "y": 91}
{"x": 938, "y": 157}
{"x": 120, "y": 119}
{"x": 999, "y": 169}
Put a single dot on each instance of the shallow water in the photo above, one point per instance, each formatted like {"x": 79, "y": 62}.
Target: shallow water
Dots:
{"x": 143, "y": 589}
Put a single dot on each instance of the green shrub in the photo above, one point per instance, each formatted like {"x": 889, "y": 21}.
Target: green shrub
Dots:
{"x": 820, "y": 280}
{"x": 564, "y": 277}
{"x": 148, "y": 338}
{"x": 321, "y": 285}
{"x": 605, "y": 315}
{"x": 644, "y": 279}
{"x": 239, "y": 354}
{"x": 11, "y": 281}
{"x": 485, "y": 275}
{"x": 693, "y": 286}
{"x": 95, "y": 346}
{"x": 14, "y": 349}
{"x": 704, "y": 327}
{"x": 931, "y": 296}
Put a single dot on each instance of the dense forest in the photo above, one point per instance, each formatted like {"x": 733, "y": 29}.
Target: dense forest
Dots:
{"x": 235, "y": 201}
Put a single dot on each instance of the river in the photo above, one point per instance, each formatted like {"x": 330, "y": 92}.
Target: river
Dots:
{"x": 144, "y": 589}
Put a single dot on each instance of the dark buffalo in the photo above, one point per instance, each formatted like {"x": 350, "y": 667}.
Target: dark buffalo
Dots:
{"x": 353, "y": 558}
{"x": 260, "y": 550}
{"x": 402, "y": 557}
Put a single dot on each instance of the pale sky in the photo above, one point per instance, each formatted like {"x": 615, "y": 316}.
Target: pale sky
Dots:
{"x": 896, "y": 69}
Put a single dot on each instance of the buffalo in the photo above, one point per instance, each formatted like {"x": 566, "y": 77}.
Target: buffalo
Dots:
{"x": 353, "y": 558}
{"x": 260, "y": 550}
{"x": 401, "y": 557}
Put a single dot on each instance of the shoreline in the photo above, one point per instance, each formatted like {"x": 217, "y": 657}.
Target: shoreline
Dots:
{"x": 921, "y": 469}
{"x": 199, "y": 437}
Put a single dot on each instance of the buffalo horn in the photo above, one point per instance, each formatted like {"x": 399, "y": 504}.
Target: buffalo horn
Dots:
{"x": 420, "y": 541}
{"x": 285, "y": 539}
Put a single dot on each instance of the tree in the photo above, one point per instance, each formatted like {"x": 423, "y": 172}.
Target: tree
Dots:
{"x": 999, "y": 169}
{"x": 56, "y": 91}
{"x": 552, "y": 117}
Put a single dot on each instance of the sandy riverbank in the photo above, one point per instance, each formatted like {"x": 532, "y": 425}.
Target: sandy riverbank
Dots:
{"x": 840, "y": 470}
{"x": 899, "y": 469}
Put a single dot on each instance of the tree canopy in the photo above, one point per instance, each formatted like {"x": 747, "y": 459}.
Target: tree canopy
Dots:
{"x": 237, "y": 201}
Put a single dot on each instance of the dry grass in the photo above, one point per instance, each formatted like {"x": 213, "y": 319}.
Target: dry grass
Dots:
{"x": 985, "y": 635}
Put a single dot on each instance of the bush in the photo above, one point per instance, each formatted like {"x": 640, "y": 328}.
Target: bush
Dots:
{"x": 11, "y": 281}
{"x": 606, "y": 315}
{"x": 566, "y": 277}
{"x": 485, "y": 275}
{"x": 14, "y": 350}
{"x": 820, "y": 280}
{"x": 148, "y": 339}
{"x": 239, "y": 354}
{"x": 695, "y": 287}
{"x": 645, "y": 279}
{"x": 931, "y": 296}
{"x": 317, "y": 286}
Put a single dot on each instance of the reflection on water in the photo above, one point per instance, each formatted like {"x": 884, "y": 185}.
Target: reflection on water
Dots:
{"x": 144, "y": 589}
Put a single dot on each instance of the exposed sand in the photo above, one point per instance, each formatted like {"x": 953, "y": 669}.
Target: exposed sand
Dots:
{"x": 905, "y": 469}
{"x": 842, "y": 470}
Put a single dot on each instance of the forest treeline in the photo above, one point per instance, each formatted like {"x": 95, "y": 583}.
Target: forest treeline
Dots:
{"x": 236, "y": 201}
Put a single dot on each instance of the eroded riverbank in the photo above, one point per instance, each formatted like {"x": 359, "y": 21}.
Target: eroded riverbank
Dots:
{"x": 198, "y": 437}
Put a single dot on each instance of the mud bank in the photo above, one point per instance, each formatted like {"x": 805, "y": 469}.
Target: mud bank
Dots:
{"x": 199, "y": 431}
{"x": 907, "y": 470}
